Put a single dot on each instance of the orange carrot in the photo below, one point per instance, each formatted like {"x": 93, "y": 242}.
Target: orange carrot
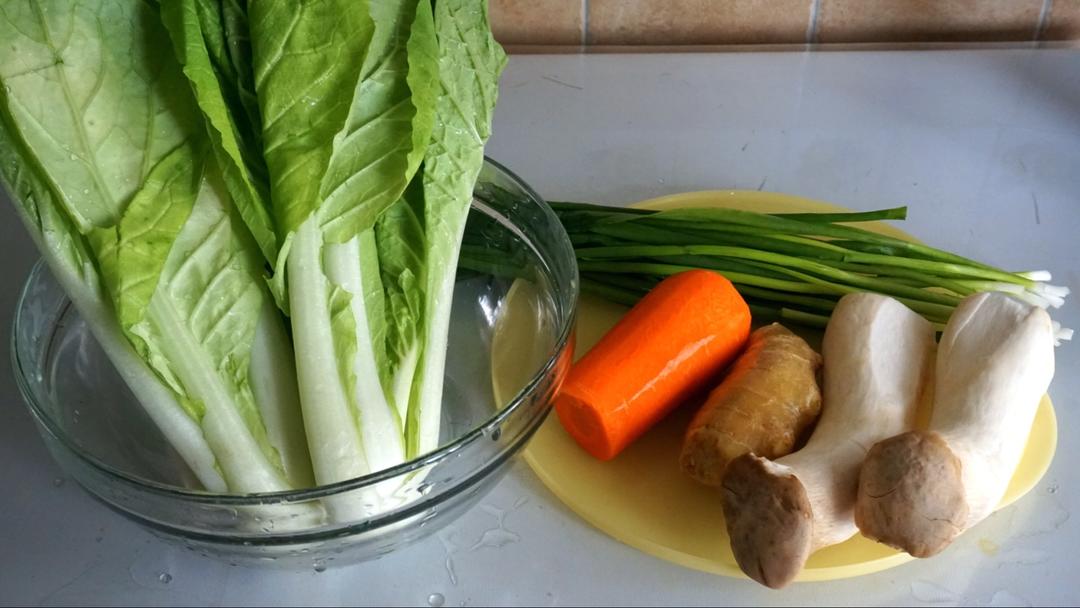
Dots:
{"x": 673, "y": 341}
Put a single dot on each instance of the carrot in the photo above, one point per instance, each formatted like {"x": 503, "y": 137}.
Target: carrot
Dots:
{"x": 673, "y": 341}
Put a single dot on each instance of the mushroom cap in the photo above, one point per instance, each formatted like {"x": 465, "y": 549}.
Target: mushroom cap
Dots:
{"x": 911, "y": 494}
{"x": 769, "y": 519}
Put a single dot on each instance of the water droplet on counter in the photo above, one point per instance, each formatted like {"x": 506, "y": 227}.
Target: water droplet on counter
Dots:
{"x": 1052, "y": 489}
{"x": 164, "y": 578}
{"x": 1022, "y": 557}
{"x": 435, "y": 600}
{"x": 449, "y": 548}
{"x": 1004, "y": 598}
{"x": 319, "y": 565}
{"x": 496, "y": 537}
{"x": 449, "y": 565}
{"x": 59, "y": 481}
{"x": 931, "y": 593}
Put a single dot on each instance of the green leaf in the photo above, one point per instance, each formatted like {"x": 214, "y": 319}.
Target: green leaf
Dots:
{"x": 199, "y": 327}
{"x": 106, "y": 124}
{"x": 34, "y": 199}
{"x": 470, "y": 62}
{"x": 201, "y": 41}
{"x": 347, "y": 141}
{"x": 71, "y": 262}
{"x": 93, "y": 97}
{"x": 389, "y": 125}
{"x": 374, "y": 301}
{"x": 307, "y": 58}
{"x": 131, "y": 254}
{"x": 347, "y": 93}
{"x": 400, "y": 241}
{"x": 225, "y": 31}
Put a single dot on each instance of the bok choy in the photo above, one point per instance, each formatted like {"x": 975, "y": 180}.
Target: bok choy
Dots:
{"x": 365, "y": 262}
{"x": 105, "y": 158}
{"x": 203, "y": 177}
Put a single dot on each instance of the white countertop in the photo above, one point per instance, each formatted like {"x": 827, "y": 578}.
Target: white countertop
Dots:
{"x": 984, "y": 147}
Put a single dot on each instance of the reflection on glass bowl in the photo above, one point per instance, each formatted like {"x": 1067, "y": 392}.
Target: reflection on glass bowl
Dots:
{"x": 103, "y": 439}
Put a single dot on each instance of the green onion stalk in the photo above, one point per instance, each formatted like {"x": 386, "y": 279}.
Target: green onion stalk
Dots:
{"x": 790, "y": 267}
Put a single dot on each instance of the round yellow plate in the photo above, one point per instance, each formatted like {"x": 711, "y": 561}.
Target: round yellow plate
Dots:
{"x": 642, "y": 499}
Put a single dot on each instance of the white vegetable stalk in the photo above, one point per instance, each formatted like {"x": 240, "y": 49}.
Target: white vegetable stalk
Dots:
{"x": 335, "y": 444}
{"x": 919, "y": 490}
{"x": 352, "y": 424}
{"x": 272, "y": 374}
{"x": 156, "y": 399}
{"x": 381, "y": 432}
{"x": 436, "y": 338}
{"x": 246, "y": 469}
{"x": 878, "y": 358}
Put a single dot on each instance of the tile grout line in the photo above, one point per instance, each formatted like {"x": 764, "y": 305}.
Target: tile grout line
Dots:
{"x": 584, "y": 24}
{"x": 1044, "y": 19}
{"x": 811, "y": 26}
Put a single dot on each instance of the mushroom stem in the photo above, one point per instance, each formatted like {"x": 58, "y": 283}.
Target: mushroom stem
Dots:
{"x": 920, "y": 490}
{"x": 878, "y": 357}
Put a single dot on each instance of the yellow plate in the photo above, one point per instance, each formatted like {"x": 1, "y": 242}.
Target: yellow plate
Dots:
{"x": 642, "y": 499}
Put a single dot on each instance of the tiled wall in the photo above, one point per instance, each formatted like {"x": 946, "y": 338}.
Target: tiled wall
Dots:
{"x": 607, "y": 23}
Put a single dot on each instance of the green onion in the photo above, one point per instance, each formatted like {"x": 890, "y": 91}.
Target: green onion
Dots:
{"x": 792, "y": 267}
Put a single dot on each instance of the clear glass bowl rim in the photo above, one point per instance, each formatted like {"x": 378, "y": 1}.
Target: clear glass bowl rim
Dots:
{"x": 318, "y": 492}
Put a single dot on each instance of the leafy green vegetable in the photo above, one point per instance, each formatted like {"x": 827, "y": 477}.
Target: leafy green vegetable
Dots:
{"x": 790, "y": 266}
{"x": 223, "y": 84}
{"x": 399, "y": 236}
{"x": 313, "y": 157}
{"x": 106, "y": 152}
{"x": 470, "y": 62}
{"x": 341, "y": 149}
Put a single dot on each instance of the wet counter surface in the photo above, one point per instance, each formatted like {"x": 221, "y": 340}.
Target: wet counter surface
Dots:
{"x": 984, "y": 148}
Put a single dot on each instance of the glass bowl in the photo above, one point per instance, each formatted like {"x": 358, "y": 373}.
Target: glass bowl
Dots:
{"x": 102, "y": 438}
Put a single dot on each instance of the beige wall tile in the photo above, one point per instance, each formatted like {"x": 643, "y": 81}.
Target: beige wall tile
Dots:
{"x": 615, "y": 22}
{"x": 1064, "y": 21}
{"x": 927, "y": 20}
{"x": 537, "y": 21}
